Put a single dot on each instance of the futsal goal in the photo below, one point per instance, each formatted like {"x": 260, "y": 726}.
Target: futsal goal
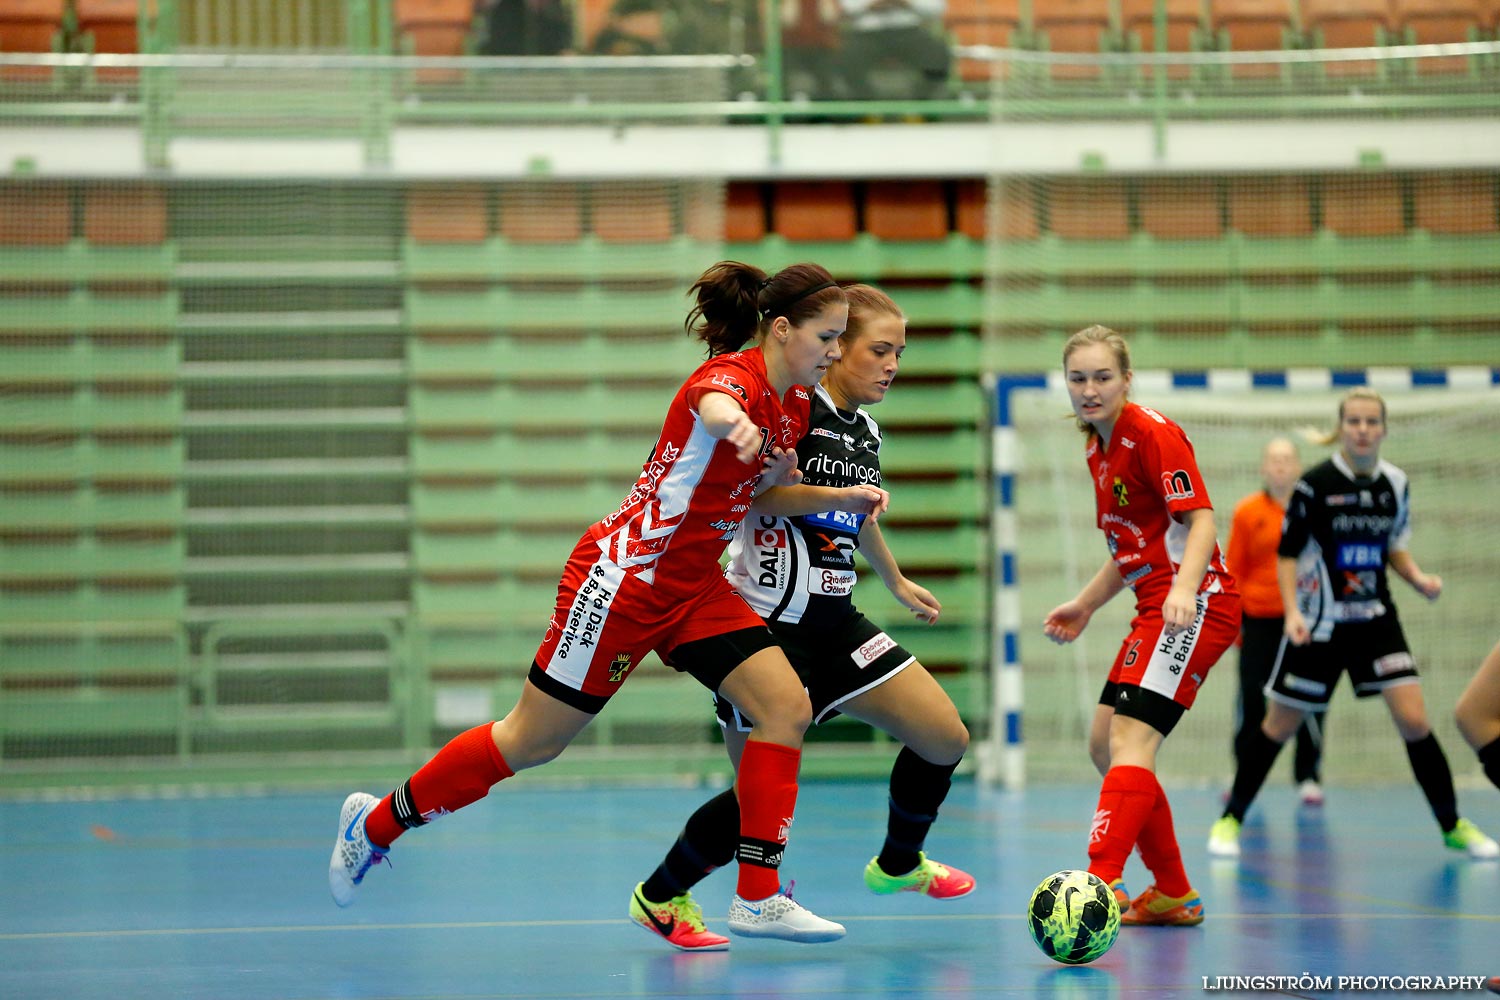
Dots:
{"x": 1441, "y": 431}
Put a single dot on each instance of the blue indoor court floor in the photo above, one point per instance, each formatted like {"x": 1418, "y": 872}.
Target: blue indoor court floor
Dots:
{"x": 524, "y": 895}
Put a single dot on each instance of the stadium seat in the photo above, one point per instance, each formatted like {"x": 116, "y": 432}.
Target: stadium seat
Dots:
{"x": 1074, "y": 26}
{"x": 1343, "y": 24}
{"x": 35, "y": 215}
{"x": 541, "y": 213}
{"x": 1270, "y": 206}
{"x": 906, "y": 210}
{"x": 1018, "y": 209}
{"x": 812, "y": 211}
{"x": 434, "y": 28}
{"x": 1184, "y": 24}
{"x": 1253, "y": 26}
{"x": 119, "y": 215}
{"x": 633, "y": 212}
{"x": 744, "y": 212}
{"x": 995, "y": 23}
{"x": 1363, "y": 205}
{"x": 1087, "y": 208}
{"x": 30, "y": 26}
{"x": 1454, "y": 204}
{"x": 1428, "y": 22}
{"x": 110, "y": 26}
{"x": 1181, "y": 208}
{"x": 447, "y": 213}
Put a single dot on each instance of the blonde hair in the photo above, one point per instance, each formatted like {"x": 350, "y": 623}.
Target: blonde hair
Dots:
{"x": 865, "y": 303}
{"x": 1097, "y": 334}
{"x": 1328, "y": 437}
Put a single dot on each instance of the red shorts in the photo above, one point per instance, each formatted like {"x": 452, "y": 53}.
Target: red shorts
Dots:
{"x": 605, "y": 620}
{"x": 1174, "y": 666}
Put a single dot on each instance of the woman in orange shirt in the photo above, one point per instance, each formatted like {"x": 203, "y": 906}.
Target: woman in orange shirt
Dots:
{"x": 1253, "y": 536}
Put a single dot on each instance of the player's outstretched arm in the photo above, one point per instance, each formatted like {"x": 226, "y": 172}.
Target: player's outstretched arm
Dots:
{"x": 1067, "y": 621}
{"x": 1429, "y": 585}
{"x": 790, "y": 501}
{"x": 914, "y": 597}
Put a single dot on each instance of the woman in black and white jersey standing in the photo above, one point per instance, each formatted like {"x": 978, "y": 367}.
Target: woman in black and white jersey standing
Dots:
{"x": 793, "y": 561}
{"x": 1348, "y": 519}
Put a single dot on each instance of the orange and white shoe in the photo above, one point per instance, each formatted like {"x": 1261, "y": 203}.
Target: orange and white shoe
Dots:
{"x": 678, "y": 921}
{"x": 1122, "y": 895}
{"x": 1153, "y": 909}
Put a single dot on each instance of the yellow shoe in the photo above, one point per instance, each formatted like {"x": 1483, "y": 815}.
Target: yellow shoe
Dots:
{"x": 1224, "y": 837}
{"x": 1153, "y": 909}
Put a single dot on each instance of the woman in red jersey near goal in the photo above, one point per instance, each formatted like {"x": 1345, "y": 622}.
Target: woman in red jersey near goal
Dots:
{"x": 1154, "y": 510}
{"x": 646, "y": 577}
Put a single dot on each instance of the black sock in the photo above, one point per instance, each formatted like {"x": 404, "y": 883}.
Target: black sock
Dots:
{"x": 1431, "y": 768}
{"x": 707, "y": 841}
{"x": 1257, "y": 753}
{"x": 1309, "y": 748}
{"x": 1489, "y": 756}
{"x": 918, "y": 788}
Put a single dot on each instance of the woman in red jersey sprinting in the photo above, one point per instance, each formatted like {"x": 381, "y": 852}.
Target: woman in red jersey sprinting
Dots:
{"x": 647, "y": 577}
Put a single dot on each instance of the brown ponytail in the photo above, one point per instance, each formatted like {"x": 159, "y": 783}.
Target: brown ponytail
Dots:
{"x": 734, "y": 301}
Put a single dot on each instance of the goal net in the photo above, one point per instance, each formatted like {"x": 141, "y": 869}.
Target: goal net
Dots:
{"x": 1441, "y": 427}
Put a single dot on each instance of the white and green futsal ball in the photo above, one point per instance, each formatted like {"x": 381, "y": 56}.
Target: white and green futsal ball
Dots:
{"x": 1073, "y": 917}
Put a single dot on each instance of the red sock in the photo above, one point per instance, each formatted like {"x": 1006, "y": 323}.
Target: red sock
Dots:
{"x": 1125, "y": 803}
{"x": 1158, "y": 843}
{"x": 462, "y": 772}
{"x": 767, "y": 790}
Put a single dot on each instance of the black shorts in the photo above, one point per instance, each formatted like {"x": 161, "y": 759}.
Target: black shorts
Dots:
{"x": 1155, "y": 710}
{"x": 835, "y": 662}
{"x": 1374, "y": 653}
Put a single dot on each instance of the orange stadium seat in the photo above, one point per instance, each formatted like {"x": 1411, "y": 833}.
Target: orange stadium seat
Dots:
{"x": 591, "y": 17}
{"x": 1019, "y": 218}
{"x": 906, "y": 210}
{"x": 30, "y": 26}
{"x": 1455, "y": 204}
{"x": 134, "y": 215}
{"x": 632, "y": 213}
{"x": 447, "y": 213}
{"x": 541, "y": 213}
{"x": 1270, "y": 206}
{"x": 111, "y": 26}
{"x": 1344, "y": 24}
{"x": 1363, "y": 205}
{"x": 1428, "y": 22}
{"x": 434, "y": 28}
{"x": 744, "y": 212}
{"x": 1184, "y": 22}
{"x": 1181, "y": 208}
{"x": 805, "y": 211}
{"x": 1253, "y": 26}
{"x": 1073, "y": 26}
{"x": 35, "y": 215}
{"x": 1088, "y": 208}
{"x": 982, "y": 22}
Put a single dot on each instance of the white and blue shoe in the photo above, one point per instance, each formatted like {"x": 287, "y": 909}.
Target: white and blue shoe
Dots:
{"x": 781, "y": 916}
{"x": 353, "y": 854}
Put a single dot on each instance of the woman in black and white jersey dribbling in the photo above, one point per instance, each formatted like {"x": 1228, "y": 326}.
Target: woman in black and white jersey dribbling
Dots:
{"x": 1348, "y": 519}
{"x": 793, "y": 561}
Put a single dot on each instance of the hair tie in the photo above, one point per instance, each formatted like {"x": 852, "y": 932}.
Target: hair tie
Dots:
{"x": 781, "y": 307}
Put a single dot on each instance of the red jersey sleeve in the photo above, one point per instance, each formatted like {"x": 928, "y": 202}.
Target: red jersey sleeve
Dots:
{"x": 1170, "y": 453}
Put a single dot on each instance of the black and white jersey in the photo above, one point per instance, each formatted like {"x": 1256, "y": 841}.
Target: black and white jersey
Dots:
{"x": 1341, "y": 529}
{"x": 801, "y": 569}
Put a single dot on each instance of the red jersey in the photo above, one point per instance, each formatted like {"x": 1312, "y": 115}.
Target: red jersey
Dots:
{"x": 1147, "y": 475}
{"x": 673, "y": 526}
